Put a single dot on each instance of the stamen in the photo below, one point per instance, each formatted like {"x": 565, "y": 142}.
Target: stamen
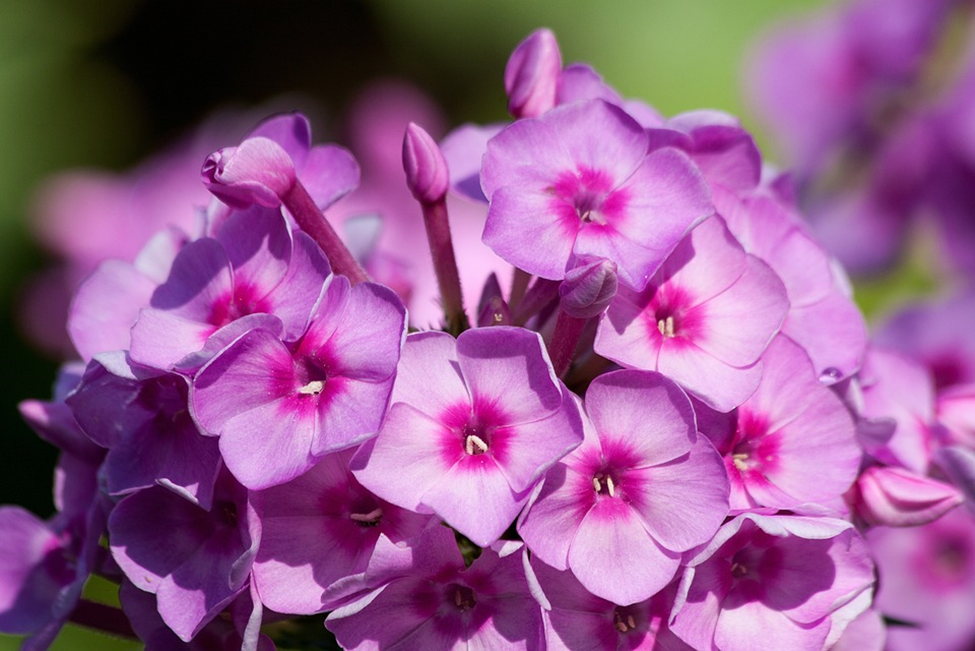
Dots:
{"x": 631, "y": 621}
{"x": 738, "y": 570}
{"x": 666, "y": 326}
{"x": 371, "y": 518}
{"x": 458, "y": 599}
{"x": 595, "y": 483}
{"x": 313, "y": 388}
{"x": 610, "y": 487}
{"x": 740, "y": 460}
{"x": 618, "y": 622}
{"x": 474, "y": 444}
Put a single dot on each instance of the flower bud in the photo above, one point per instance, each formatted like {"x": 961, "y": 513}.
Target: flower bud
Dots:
{"x": 258, "y": 171}
{"x": 895, "y": 497}
{"x": 532, "y": 75}
{"x": 426, "y": 170}
{"x": 588, "y": 289}
{"x": 492, "y": 309}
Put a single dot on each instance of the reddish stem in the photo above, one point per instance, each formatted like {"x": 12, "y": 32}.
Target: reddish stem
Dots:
{"x": 102, "y": 617}
{"x": 311, "y": 220}
{"x": 565, "y": 339}
{"x": 445, "y": 265}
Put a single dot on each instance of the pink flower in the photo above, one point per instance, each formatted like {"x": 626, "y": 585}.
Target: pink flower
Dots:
{"x": 577, "y": 182}
{"x": 641, "y": 489}
{"x": 474, "y": 425}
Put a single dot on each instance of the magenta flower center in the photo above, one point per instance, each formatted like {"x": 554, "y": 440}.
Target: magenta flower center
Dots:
{"x": 752, "y": 449}
{"x": 310, "y": 376}
{"x": 667, "y": 310}
{"x": 624, "y": 620}
{"x": 244, "y": 300}
{"x": 368, "y": 519}
{"x": 461, "y": 597}
{"x": 476, "y": 437}
{"x": 605, "y": 483}
{"x": 588, "y": 191}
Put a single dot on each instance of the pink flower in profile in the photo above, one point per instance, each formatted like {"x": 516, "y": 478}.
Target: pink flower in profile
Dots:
{"x": 704, "y": 320}
{"x": 577, "y": 182}
{"x": 474, "y": 425}
{"x": 641, "y": 489}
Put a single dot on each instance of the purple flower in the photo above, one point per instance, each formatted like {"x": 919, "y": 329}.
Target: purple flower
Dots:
{"x": 42, "y": 572}
{"x": 576, "y": 619}
{"x": 927, "y": 578}
{"x": 195, "y": 561}
{"x": 142, "y": 417}
{"x": 279, "y": 407}
{"x": 107, "y": 303}
{"x": 642, "y": 488}
{"x": 231, "y": 634}
{"x": 252, "y": 267}
{"x": 319, "y": 528}
{"x": 437, "y": 603}
{"x": 770, "y": 582}
{"x": 577, "y": 181}
{"x": 474, "y": 425}
{"x": 703, "y": 320}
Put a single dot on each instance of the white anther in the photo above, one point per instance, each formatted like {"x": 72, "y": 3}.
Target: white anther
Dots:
{"x": 621, "y": 626}
{"x": 666, "y": 326}
{"x": 596, "y": 485}
{"x": 474, "y": 441}
{"x": 313, "y": 388}
{"x": 458, "y": 599}
{"x": 631, "y": 621}
{"x": 610, "y": 487}
{"x": 370, "y": 517}
{"x": 740, "y": 460}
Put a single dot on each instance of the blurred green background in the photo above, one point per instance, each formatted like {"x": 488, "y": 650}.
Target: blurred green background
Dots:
{"x": 105, "y": 83}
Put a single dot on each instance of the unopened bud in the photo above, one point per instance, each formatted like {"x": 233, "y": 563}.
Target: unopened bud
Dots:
{"x": 531, "y": 76}
{"x": 588, "y": 289}
{"x": 259, "y": 171}
{"x": 895, "y": 497}
{"x": 426, "y": 170}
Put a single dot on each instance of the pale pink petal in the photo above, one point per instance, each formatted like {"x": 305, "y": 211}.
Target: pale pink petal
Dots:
{"x": 616, "y": 559}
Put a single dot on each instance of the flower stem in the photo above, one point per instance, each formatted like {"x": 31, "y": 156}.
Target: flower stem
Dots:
{"x": 445, "y": 265}
{"x": 519, "y": 284}
{"x": 102, "y": 617}
{"x": 311, "y": 220}
{"x": 542, "y": 292}
{"x": 565, "y": 339}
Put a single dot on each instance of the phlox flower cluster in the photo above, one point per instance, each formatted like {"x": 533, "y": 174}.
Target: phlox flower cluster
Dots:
{"x": 653, "y": 421}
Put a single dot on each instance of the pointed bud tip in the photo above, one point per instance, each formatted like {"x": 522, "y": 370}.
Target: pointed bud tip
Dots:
{"x": 532, "y": 74}
{"x": 426, "y": 169}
